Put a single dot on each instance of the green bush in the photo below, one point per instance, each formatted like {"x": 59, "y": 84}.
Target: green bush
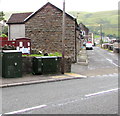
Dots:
{"x": 55, "y": 54}
{"x": 3, "y": 35}
{"x": 51, "y": 54}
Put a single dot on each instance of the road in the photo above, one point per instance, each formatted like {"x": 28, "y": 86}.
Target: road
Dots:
{"x": 101, "y": 62}
{"x": 97, "y": 94}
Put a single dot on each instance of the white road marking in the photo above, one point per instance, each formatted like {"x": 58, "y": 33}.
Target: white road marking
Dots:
{"x": 63, "y": 103}
{"x": 111, "y": 61}
{"x": 85, "y": 97}
{"x": 111, "y": 53}
{"x": 106, "y": 75}
{"x": 98, "y": 75}
{"x": 101, "y": 92}
{"x": 27, "y": 109}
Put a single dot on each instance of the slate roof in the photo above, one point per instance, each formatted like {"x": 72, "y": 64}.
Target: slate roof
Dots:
{"x": 18, "y": 18}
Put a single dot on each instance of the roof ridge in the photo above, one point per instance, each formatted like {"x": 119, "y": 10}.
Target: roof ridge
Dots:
{"x": 28, "y": 15}
{"x": 43, "y": 7}
{"x": 22, "y": 13}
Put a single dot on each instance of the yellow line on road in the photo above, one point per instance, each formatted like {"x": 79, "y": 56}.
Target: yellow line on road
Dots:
{"x": 74, "y": 75}
{"x": 68, "y": 75}
{"x": 62, "y": 76}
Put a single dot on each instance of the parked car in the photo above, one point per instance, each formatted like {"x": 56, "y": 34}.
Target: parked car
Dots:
{"x": 89, "y": 46}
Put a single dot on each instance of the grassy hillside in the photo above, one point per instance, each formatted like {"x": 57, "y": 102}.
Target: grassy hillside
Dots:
{"x": 109, "y": 20}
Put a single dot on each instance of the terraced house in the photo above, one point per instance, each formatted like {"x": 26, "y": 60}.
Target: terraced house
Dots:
{"x": 44, "y": 27}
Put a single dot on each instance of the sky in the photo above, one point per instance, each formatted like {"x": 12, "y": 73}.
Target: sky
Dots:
{"x": 70, "y": 5}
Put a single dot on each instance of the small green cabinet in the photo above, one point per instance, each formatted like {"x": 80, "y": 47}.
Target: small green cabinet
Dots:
{"x": 11, "y": 63}
{"x": 0, "y": 64}
{"x": 37, "y": 65}
{"x": 49, "y": 64}
{"x": 45, "y": 65}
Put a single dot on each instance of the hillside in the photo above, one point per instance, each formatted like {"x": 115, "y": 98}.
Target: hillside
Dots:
{"x": 109, "y": 20}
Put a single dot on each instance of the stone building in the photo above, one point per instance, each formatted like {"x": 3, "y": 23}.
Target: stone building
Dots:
{"x": 44, "y": 27}
{"x": 85, "y": 31}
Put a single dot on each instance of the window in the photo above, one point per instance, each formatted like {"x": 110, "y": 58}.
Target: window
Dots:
{"x": 28, "y": 43}
{"x": 21, "y": 44}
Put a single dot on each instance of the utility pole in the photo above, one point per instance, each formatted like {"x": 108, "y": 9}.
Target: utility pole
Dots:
{"x": 101, "y": 34}
{"x": 77, "y": 16}
{"x": 63, "y": 38}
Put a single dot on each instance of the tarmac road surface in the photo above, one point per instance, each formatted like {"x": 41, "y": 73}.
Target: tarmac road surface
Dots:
{"x": 101, "y": 62}
{"x": 94, "y": 95}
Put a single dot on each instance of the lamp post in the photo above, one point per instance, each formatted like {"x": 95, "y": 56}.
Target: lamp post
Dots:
{"x": 63, "y": 38}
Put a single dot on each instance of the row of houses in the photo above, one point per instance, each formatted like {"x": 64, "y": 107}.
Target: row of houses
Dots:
{"x": 44, "y": 28}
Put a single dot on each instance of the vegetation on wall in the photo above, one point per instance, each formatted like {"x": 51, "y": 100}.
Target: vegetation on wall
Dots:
{"x": 51, "y": 54}
{"x": 3, "y": 35}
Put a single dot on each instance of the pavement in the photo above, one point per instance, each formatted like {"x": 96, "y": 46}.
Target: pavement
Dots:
{"x": 82, "y": 58}
{"x": 36, "y": 79}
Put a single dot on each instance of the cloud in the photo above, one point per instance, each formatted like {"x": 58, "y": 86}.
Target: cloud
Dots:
{"x": 71, "y": 5}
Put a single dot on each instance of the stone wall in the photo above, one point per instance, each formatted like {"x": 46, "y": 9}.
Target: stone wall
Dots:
{"x": 27, "y": 65}
{"x": 45, "y": 30}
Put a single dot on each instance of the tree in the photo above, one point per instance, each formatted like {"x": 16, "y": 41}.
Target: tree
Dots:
{"x": 1, "y": 15}
{"x": 5, "y": 30}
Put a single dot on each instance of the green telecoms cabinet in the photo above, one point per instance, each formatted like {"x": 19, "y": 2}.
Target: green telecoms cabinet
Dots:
{"x": 0, "y": 63}
{"x": 11, "y": 63}
{"x": 49, "y": 64}
{"x": 37, "y": 65}
{"x": 45, "y": 65}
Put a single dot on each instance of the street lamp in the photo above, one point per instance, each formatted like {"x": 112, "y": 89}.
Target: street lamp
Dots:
{"x": 63, "y": 38}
